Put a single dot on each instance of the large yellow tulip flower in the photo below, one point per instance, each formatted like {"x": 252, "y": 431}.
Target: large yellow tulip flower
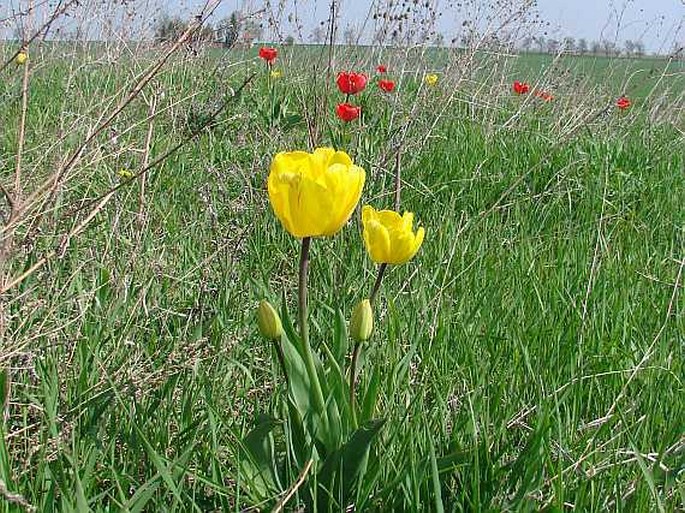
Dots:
{"x": 314, "y": 194}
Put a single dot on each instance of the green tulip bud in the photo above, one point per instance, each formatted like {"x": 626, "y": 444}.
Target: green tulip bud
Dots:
{"x": 361, "y": 324}
{"x": 269, "y": 322}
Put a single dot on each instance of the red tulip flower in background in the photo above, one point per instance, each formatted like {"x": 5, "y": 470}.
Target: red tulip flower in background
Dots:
{"x": 381, "y": 68}
{"x": 351, "y": 83}
{"x": 386, "y": 85}
{"x": 623, "y": 103}
{"x": 521, "y": 87}
{"x": 544, "y": 95}
{"x": 347, "y": 112}
{"x": 268, "y": 54}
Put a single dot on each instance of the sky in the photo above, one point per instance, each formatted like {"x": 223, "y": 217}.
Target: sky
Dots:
{"x": 657, "y": 23}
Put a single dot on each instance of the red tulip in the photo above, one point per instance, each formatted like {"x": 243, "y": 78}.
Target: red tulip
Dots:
{"x": 521, "y": 87}
{"x": 268, "y": 54}
{"x": 544, "y": 95}
{"x": 381, "y": 68}
{"x": 347, "y": 112}
{"x": 351, "y": 83}
{"x": 386, "y": 85}
{"x": 623, "y": 103}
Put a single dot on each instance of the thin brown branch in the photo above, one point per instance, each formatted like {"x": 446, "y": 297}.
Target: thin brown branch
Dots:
{"x": 100, "y": 201}
{"x": 293, "y": 489}
{"x": 53, "y": 182}
{"x": 59, "y": 10}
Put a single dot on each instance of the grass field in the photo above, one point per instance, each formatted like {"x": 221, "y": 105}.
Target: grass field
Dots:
{"x": 529, "y": 358}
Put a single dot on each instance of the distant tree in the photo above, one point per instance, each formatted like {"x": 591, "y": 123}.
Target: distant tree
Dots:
{"x": 596, "y": 47}
{"x": 439, "y": 39}
{"x": 541, "y": 43}
{"x": 350, "y": 35}
{"x": 569, "y": 45}
{"x": 639, "y": 48}
{"x": 582, "y": 46}
{"x": 629, "y": 46}
{"x": 553, "y": 46}
{"x": 290, "y": 40}
{"x": 228, "y": 30}
{"x": 609, "y": 48}
{"x": 169, "y": 29}
{"x": 318, "y": 35}
{"x": 252, "y": 30}
{"x": 527, "y": 43}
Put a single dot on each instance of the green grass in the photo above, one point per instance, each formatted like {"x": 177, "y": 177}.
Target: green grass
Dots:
{"x": 529, "y": 358}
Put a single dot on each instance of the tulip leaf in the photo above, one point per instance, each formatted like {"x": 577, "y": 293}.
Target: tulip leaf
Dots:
{"x": 298, "y": 379}
{"x": 288, "y": 326}
{"x": 334, "y": 431}
{"x": 371, "y": 396}
{"x": 298, "y": 438}
{"x": 257, "y": 458}
{"x": 336, "y": 383}
{"x": 340, "y": 345}
{"x": 343, "y": 467}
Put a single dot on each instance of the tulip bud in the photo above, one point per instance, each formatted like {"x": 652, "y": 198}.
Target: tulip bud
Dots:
{"x": 361, "y": 324}
{"x": 268, "y": 321}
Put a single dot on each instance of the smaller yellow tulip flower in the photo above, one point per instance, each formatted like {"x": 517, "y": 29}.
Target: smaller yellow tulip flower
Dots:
{"x": 431, "y": 79}
{"x": 21, "y": 58}
{"x": 276, "y": 74}
{"x": 388, "y": 237}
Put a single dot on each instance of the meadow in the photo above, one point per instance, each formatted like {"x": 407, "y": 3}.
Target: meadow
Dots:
{"x": 528, "y": 358}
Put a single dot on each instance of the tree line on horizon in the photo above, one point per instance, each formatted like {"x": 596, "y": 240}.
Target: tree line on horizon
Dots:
{"x": 239, "y": 30}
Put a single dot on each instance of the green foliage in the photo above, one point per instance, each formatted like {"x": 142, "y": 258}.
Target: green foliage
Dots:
{"x": 507, "y": 364}
{"x": 328, "y": 439}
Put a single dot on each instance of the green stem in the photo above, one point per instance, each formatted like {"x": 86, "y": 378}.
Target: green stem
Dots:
{"x": 353, "y": 380}
{"x": 304, "y": 328}
{"x": 281, "y": 361}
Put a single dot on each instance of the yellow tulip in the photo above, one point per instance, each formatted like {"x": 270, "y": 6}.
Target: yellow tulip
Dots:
{"x": 388, "y": 237}
{"x": 21, "y": 57}
{"x": 314, "y": 194}
{"x": 276, "y": 74}
{"x": 431, "y": 79}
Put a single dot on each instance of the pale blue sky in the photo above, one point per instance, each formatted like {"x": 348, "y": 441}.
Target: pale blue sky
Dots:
{"x": 658, "y": 23}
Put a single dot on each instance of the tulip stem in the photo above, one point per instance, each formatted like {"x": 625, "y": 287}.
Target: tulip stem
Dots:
{"x": 357, "y": 345}
{"x": 302, "y": 289}
{"x": 304, "y": 328}
{"x": 377, "y": 283}
{"x": 353, "y": 380}
{"x": 281, "y": 361}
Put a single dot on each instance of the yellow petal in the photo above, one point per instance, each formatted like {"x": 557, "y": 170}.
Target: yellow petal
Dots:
{"x": 314, "y": 194}
{"x": 418, "y": 240}
{"x": 388, "y": 237}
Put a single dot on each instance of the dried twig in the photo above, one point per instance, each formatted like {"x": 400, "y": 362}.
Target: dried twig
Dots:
{"x": 295, "y": 486}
